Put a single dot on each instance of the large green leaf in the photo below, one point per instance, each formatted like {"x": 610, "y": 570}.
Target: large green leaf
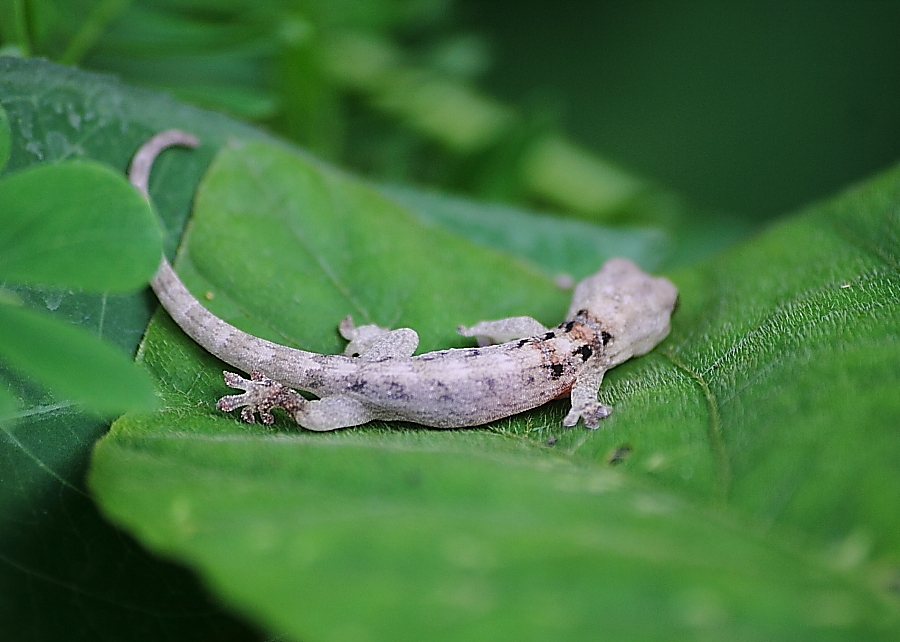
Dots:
{"x": 294, "y": 224}
{"x": 758, "y": 498}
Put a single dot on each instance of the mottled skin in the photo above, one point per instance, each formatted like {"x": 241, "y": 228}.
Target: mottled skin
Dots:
{"x": 617, "y": 313}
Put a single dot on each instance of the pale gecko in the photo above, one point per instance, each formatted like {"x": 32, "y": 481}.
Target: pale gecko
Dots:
{"x": 618, "y": 313}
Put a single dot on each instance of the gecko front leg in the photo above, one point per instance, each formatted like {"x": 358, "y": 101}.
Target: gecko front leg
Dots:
{"x": 503, "y": 330}
{"x": 372, "y": 342}
{"x": 584, "y": 398}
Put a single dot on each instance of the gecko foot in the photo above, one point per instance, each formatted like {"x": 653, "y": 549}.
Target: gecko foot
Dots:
{"x": 591, "y": 413}
{"x": 261, "y": 396}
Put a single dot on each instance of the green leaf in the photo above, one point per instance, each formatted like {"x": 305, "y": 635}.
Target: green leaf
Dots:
{"x": 561, "y": 245}
{"x": 103, "y": 379}
{"x": 758, "y": 495}
{"x": 295, "y": 224}
{"x": 76, "y": 224}
{"x": 410, "y": 535}
{"x": 4, "y": 138}
{"x": 8, "y": 404}
{"x": 65, "y": 572}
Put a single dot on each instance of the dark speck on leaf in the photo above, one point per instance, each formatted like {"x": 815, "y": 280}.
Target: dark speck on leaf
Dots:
{"x": 413, "y": 477}
{"x": 893, "y": 581}
{"x": 618, "y": 455}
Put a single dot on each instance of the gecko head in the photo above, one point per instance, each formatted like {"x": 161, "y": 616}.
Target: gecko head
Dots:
{"x": 633, "y": 307}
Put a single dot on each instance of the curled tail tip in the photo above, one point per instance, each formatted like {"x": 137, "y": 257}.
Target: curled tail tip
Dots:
{"x": 139, "y": 171}
{"x": 171, "y": 137}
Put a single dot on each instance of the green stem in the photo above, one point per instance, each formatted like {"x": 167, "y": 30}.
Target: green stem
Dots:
{"x": 91, "y": 30}
{"x": 19, "y": 36}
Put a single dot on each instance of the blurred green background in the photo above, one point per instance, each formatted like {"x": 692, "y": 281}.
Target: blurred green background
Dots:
{"x": 647, "y": 112}
{"x": 751, "y": 107}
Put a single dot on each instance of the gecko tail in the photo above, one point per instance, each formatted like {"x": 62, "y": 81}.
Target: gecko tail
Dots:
{"x": 227, "y": 342}
{"x": 139, "y": 170}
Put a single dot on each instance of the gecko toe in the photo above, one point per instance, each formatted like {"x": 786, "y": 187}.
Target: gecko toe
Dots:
{"x": 233, "y": 380}
{"x": 591, "y": 414}
{"x": 229, "y": 403}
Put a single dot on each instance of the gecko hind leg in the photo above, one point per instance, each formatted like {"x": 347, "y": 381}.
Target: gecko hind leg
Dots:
{"x": 260, "y": 397}
{"x": 263, "y": 394}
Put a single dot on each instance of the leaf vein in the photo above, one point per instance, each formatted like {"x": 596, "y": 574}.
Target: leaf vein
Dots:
{"x": 716, "y": 436}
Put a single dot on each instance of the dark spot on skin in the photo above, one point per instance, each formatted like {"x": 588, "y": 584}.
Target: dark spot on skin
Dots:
{"x": 357, "y": 386}
{"x": 446, "y": 394}
{"x": 472, "y": 353}
{"x": 523, "y": 342}
{"x": 315, "y": 380}
{"x": 568, "y": 325}
{"x": 618, "y": 455}
{"x": 581, "y": 313}
{"x": 549, "y": 335}
{"x": 397, "y": 390}
{"x": 556, "y": 370}
{"x": 584, "y": 352}
{"x": 551, "y": 441}
{"x": 605, "y": 337}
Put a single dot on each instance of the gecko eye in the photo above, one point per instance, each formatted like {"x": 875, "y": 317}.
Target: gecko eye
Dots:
{"x": 355, "y": 354}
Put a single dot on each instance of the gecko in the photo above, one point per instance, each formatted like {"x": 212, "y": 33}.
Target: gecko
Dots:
{"x": 519, "y": 364}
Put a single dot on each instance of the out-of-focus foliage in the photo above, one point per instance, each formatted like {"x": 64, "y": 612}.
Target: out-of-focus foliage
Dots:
{"x": 80, "y": 225}
{"x": 385, "y": 86}
{"x": 753, "y": 108}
